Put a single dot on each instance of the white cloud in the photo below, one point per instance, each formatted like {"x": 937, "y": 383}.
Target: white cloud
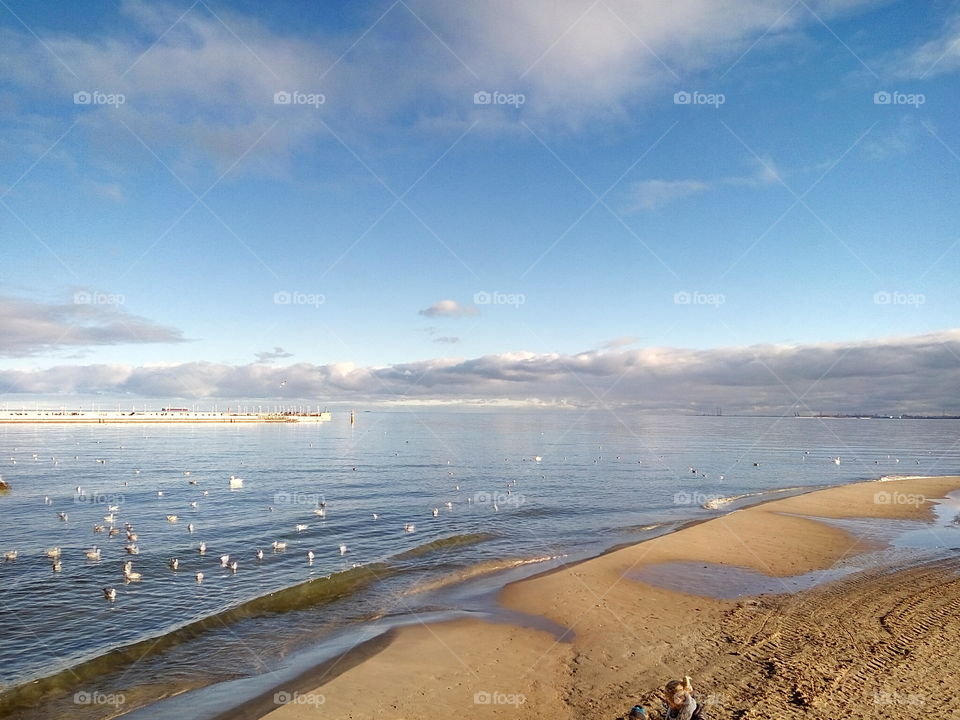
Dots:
{"x": 652, "y": 194}
{"x": 937, "y": 56}
{"x": 268, "y": 356}
{"x": 94, "y": 318}
{"x": 449, "y": 308}
{"x": 200, "y": 88}
{"x": 915, "y": 374}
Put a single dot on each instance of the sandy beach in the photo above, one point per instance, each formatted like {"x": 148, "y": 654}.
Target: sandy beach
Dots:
{"x": 876, "y": 642}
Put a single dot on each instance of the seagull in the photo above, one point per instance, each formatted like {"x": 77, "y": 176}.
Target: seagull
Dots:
{"x": 310, "y": 556}
{"x": 202, "y": 548}
{"x": 159, "y": 493}
{"x": 131, "y": 536}
{"x": 190, "y": 527}
{"x": 224, "y": 560}
{"x": 56, "y": 566}
{"x": 235, "y": 482}
{"x": 449, "y": 506}
{"x": 409, "y": 527}
{"x": 128, "y": 574}
{"x": 172, "y": 518}
{"x": 278, "y": 545}
{"x": 343, "y": 549}
{"x": 132, "y": 550}
{"x": 62, "y": 516}
{"x": 113, "y": 508}
{"x": 47, "y": 500}
{"x": 10, "y": 555}
{"x": 109, "y": 518}
{"x": 193, "y": 504}
{"x": 174, "y": 564}
{"x": 301, "y": 528}
{"x": 93, "y": 553}
{"x": 376, "y": 516}
{"x": 53, "y": 553}
{"x": 321, "y": 511}
{"x": 113, "y": 531}
{"x": 98, "y": 528}
{"x": 199, "y": 577}
{"x": 233, "y": 566}
{"x": 436, "y": 512}
{"x": 110, "y": 594}
{"x": 259, "y": 554}
{"x": 836, "y": 460}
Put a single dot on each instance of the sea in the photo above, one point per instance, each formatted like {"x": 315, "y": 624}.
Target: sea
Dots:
{"x": 401, "y": 510}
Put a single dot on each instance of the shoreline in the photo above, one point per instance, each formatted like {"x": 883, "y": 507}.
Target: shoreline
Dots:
{"x": 563, "y": 596}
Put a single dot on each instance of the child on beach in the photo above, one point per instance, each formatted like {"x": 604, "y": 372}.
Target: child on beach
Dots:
{"x": 679, "y": 703}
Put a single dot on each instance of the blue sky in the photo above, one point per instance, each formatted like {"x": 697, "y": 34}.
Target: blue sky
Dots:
{"x": 167, "y": 222}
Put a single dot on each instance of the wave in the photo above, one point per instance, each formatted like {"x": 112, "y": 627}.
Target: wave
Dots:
{"x": 479, "y": 569}
{"x": 443, "y": 544}
{"x": 311, "y": 593}
{"x": 642, "y": 528}
{"x": 718, "y": 503}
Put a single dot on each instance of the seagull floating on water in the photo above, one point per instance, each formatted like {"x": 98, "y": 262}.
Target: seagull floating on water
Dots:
{"x": 278, "y": 545}
{"x": 198, "y": 577}
{"x": 343, "y": 549}
{"x": 93, "y": 553}
{"x": 202, "y": 548}
{"x": 53, "y": 553}
{"x": 174, "y": 564}
{"x": 259, "y": 554}
{"x": 224, "y": 560}
{"x": 110, "y": 594}
{"x": 300, "y": 528}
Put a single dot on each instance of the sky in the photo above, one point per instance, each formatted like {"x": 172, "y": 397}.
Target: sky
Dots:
{"x": 668, "y": 206}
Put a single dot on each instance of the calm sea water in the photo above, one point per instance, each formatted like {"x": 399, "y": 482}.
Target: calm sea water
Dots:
{"x": 601, "y": 478}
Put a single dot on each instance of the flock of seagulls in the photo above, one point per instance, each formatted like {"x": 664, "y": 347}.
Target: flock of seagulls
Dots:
{"x": 130, "y": 575}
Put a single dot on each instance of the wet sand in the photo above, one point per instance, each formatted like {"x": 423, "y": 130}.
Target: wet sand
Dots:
{"x": 869, "y": 644}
